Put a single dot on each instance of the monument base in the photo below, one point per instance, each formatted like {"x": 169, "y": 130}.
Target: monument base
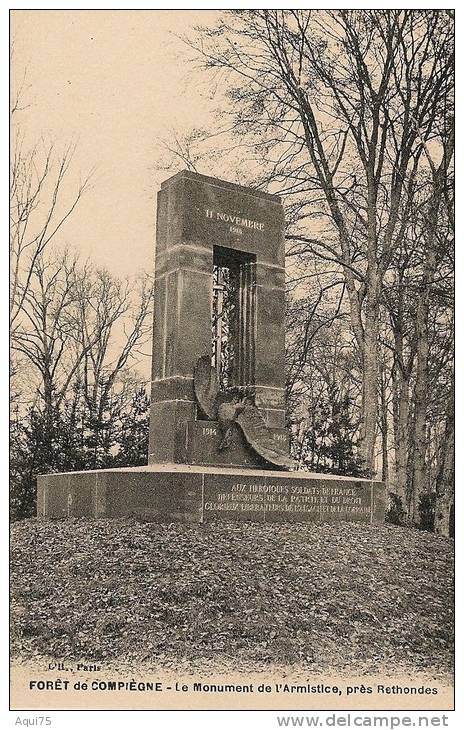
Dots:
{"x": 178, "y": 492}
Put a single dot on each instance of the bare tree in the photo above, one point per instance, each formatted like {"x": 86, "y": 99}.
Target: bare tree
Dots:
{"x": 112, "y": 325}
{"x": 42, "y": 334}
{"x": 39, "y": 207}
{"x": 82, "y": 326}
{"x": 335, "y": 109}
{"x": 433, "y": 248}
{"x": 40, "y": 203}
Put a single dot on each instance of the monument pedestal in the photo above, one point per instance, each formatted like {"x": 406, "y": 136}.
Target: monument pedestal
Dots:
{"x": 198, "y": 494}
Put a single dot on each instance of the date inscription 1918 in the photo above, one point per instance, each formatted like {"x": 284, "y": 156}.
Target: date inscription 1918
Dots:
{"x": 237, "y": 222}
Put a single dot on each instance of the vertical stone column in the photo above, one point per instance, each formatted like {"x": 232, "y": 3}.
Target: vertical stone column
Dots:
{"x": 270, "y": 343}
{"x": 196, "y": 213}
{"x": 182, "y": 323}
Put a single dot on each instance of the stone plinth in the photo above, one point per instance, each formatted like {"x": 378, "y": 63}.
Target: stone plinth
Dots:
{"x": 177, "y": 492}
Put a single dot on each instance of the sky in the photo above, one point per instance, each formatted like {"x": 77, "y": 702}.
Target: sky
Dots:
{"x": 114, "y": 83}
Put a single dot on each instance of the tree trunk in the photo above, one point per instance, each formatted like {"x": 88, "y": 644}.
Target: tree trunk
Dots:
{"x": 419, "y": 459}
{"x": 48, "y": 403}
{"x": 384, "y": 428}
{"x": 445, "y": 482}
{"x": 431, "y": 240}
{"x": 401, "y": 435}
{"x": 370, "y": 390}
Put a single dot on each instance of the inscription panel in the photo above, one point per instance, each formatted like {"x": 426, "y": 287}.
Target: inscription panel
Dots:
{"x": 232, "y": 216}
{"x": 271, "y": 499}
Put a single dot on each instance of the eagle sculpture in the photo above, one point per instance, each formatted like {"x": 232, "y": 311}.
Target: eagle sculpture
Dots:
{"x": 235, "y": 406}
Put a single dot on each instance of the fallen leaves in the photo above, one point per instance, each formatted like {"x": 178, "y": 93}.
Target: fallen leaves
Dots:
{"x": 331, "y": 595}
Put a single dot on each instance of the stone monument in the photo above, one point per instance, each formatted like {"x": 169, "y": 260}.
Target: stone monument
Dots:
{"x": 218, "y": 443}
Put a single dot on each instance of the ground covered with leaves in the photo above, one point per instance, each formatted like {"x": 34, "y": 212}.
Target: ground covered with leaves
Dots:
{"x": 330, "y": 597}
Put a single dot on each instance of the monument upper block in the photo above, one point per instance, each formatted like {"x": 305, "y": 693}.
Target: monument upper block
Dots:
{"x": 203, "y": 211}
{"x": 215, "y": 242}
